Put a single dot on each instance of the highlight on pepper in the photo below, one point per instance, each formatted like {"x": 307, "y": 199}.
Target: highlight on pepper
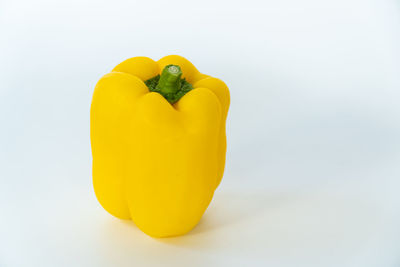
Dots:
{"x": 157, "y": 131}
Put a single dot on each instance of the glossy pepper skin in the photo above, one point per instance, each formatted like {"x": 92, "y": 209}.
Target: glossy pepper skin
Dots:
{"x": 156, "y": 163}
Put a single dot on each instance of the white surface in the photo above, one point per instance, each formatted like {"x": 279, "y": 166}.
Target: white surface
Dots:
{"x": 313, "y": 169}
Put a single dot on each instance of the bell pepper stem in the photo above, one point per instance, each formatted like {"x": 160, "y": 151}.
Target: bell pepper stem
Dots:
{"x": 170, "y": 80}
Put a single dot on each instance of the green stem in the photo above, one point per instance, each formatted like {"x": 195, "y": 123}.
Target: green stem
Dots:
{"x": 169, "y": 84}
{"x": 170, "y": 80}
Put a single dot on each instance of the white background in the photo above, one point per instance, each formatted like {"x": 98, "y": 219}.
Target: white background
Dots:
{"x": 313, "y": 162}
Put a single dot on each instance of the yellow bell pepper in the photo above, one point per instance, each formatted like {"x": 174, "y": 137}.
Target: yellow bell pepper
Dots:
{"x": 158, "y": 149}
